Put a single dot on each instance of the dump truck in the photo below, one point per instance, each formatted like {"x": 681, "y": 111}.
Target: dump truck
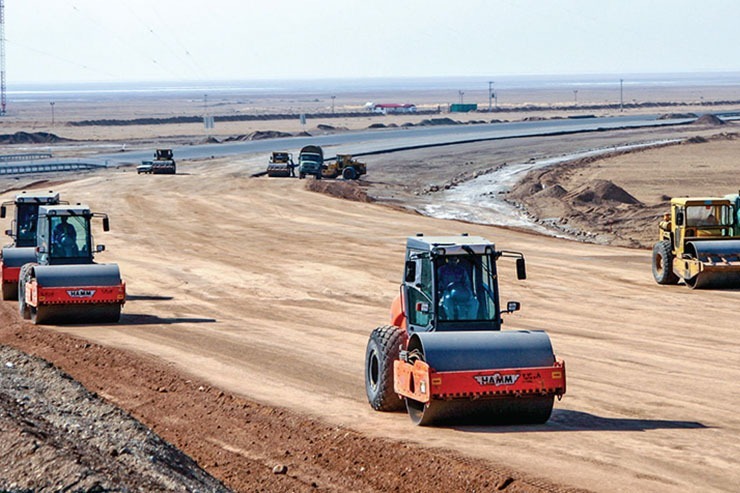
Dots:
{"x": 162, "y": 164}
{"x": 444, "y": 355}
{"x": 345, "y": 166}
{"x": 23, "y": 232}
{"x": 281, "y": 165}
{"x": 64, "y": 284}
{"x": 699, "y": 244}
{"x": 310, "y": 161}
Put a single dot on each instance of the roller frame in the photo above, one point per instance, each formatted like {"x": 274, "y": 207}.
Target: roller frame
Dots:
{"x": 36, "y": 295}
{"x": 418, "y": 381}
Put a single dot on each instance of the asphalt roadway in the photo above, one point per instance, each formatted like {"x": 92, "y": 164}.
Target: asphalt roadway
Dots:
{"x": 388, "y": 140}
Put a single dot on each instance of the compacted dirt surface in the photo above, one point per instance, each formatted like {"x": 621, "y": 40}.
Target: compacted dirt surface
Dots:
{"x": 251, "y": 300}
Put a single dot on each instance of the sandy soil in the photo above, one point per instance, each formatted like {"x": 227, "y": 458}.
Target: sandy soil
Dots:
{"x": 275, "y": 302}
{"x": 251, "y": 301}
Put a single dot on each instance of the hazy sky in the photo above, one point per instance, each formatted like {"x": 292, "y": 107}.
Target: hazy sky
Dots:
{"x": 180, "y": 40}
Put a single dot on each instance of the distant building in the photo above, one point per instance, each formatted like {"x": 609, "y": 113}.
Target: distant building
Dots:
{"x": 387, "y": 108}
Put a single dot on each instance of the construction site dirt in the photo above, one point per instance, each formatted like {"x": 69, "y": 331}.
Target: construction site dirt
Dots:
{"x": 251, "y": 299}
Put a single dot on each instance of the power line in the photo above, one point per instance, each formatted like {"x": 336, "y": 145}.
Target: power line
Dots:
{"x": 3, "y": 97}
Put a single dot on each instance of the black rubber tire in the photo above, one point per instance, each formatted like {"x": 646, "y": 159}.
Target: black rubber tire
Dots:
{"x": 10, "y": 291}
{"x": 382, "y": 350}
{"x": 349, "y": 173}
{"x": 301, "y": 176}
{"x": 23, "y": 308}
{"x": 663, "y": 263}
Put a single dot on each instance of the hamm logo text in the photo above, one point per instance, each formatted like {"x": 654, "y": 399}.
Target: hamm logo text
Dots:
{"x": 496, "y": 379}
{"x": 81, "y": 293}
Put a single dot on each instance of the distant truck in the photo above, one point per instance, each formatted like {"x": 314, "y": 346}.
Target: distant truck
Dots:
{"x": 310, "y": 161}
{"x": 163, "y": 164}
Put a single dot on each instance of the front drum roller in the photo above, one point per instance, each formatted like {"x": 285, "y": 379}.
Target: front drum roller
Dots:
{"x": 468, "y": 351}
{"x": 721, "y": 264}
{"x": 73, "y": 276}
{"x": 382, "y": 350}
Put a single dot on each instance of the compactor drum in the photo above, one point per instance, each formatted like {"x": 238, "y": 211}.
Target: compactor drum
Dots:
{"x": 23, "y": 232}
{"x": 699, "y": 243}
{"x": 444, "y": 356}
{"x": 64, "y": 284}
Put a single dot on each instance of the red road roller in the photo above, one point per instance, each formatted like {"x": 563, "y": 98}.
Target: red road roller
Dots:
{"x": 444, "y": 356}
{"x": 64, "y": 284}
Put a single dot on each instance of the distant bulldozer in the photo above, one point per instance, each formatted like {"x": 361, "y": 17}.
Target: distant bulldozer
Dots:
{"x": 346, "y": 167}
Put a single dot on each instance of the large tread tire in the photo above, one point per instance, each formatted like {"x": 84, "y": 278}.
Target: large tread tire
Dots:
{"x": 23, "y": 308}
{"x": 349, "y": 173}
{"x": 663, "y": 263}
{"x": 382, "y": 350}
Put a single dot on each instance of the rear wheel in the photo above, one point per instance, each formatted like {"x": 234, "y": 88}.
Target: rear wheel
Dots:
{"x": 349, "y": 173}
{"x": 663, "y": 263}
{"x": 382, "y": 350}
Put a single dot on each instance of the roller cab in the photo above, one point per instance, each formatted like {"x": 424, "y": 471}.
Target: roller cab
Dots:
{"x": 23, "y": 233}
{"x": 449, "y": 360}
{"x": 64, "y": 284}
{"x": 699, "y": 244}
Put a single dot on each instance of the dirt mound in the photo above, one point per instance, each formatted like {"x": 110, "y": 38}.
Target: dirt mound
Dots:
{"x": 259, "y": 135}
{"x": 695, "y": 140}
{"x": 554, "y": 191}
{"x": 438, "y": 121}
{"x": 30, "y": 138}
{"x": 709, "y": 119}
{"x": 599, "y": 191}
{"x": 348, "y": 190}
{"x": 676, "y": 116}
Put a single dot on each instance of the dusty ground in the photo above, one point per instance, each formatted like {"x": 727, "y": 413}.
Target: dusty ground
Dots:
{"x": 243, "y": 338}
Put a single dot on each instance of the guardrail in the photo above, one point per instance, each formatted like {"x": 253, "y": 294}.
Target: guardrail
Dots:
{"x": 20, "y": 169}
{"x": 6, "y": 158}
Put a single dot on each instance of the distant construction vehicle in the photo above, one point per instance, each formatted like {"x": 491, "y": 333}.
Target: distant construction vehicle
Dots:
{"x": 444, "y": 352}
{"x": 64, "y": 284}
{"x": 23, "y": 233}
{"x": 345, "y": 166}
{"x": 311, "y": 161}
{"x": 281, "y": 165}
{"x": 162, "y": 164}
{"x": 699, "y": 244}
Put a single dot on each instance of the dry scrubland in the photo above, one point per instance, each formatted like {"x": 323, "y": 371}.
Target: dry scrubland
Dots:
{"x": 243, "y": 338}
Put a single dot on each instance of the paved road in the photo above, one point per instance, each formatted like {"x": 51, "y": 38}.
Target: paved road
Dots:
{"x": 377, "y": 141}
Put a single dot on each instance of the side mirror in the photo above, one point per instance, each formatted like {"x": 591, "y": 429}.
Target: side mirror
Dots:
{"x": 679, "y": 218}
{"x": 41, "y": 249}
{"x": 422, "y": 307}
{"x": 3, "y": 211}
{"x": 521, "y": 269}
{"x": 410, "y": 271}
{"x": 99, "y": 248}
{"x": 9, "y": 232}
{"x": 513, "y": 306}
{"x": 106, "y": 224}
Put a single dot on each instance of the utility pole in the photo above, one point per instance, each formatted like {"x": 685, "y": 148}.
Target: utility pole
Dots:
{"x": 52, "y": 113}
{"x": 490, "y": 95}
{"x": 461, "y": 96}
{"x": 3, "y": 99}
{"x": 575, "y": 97}
{"x": 621, "y": 94}
{"x": 332, "y": 104}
